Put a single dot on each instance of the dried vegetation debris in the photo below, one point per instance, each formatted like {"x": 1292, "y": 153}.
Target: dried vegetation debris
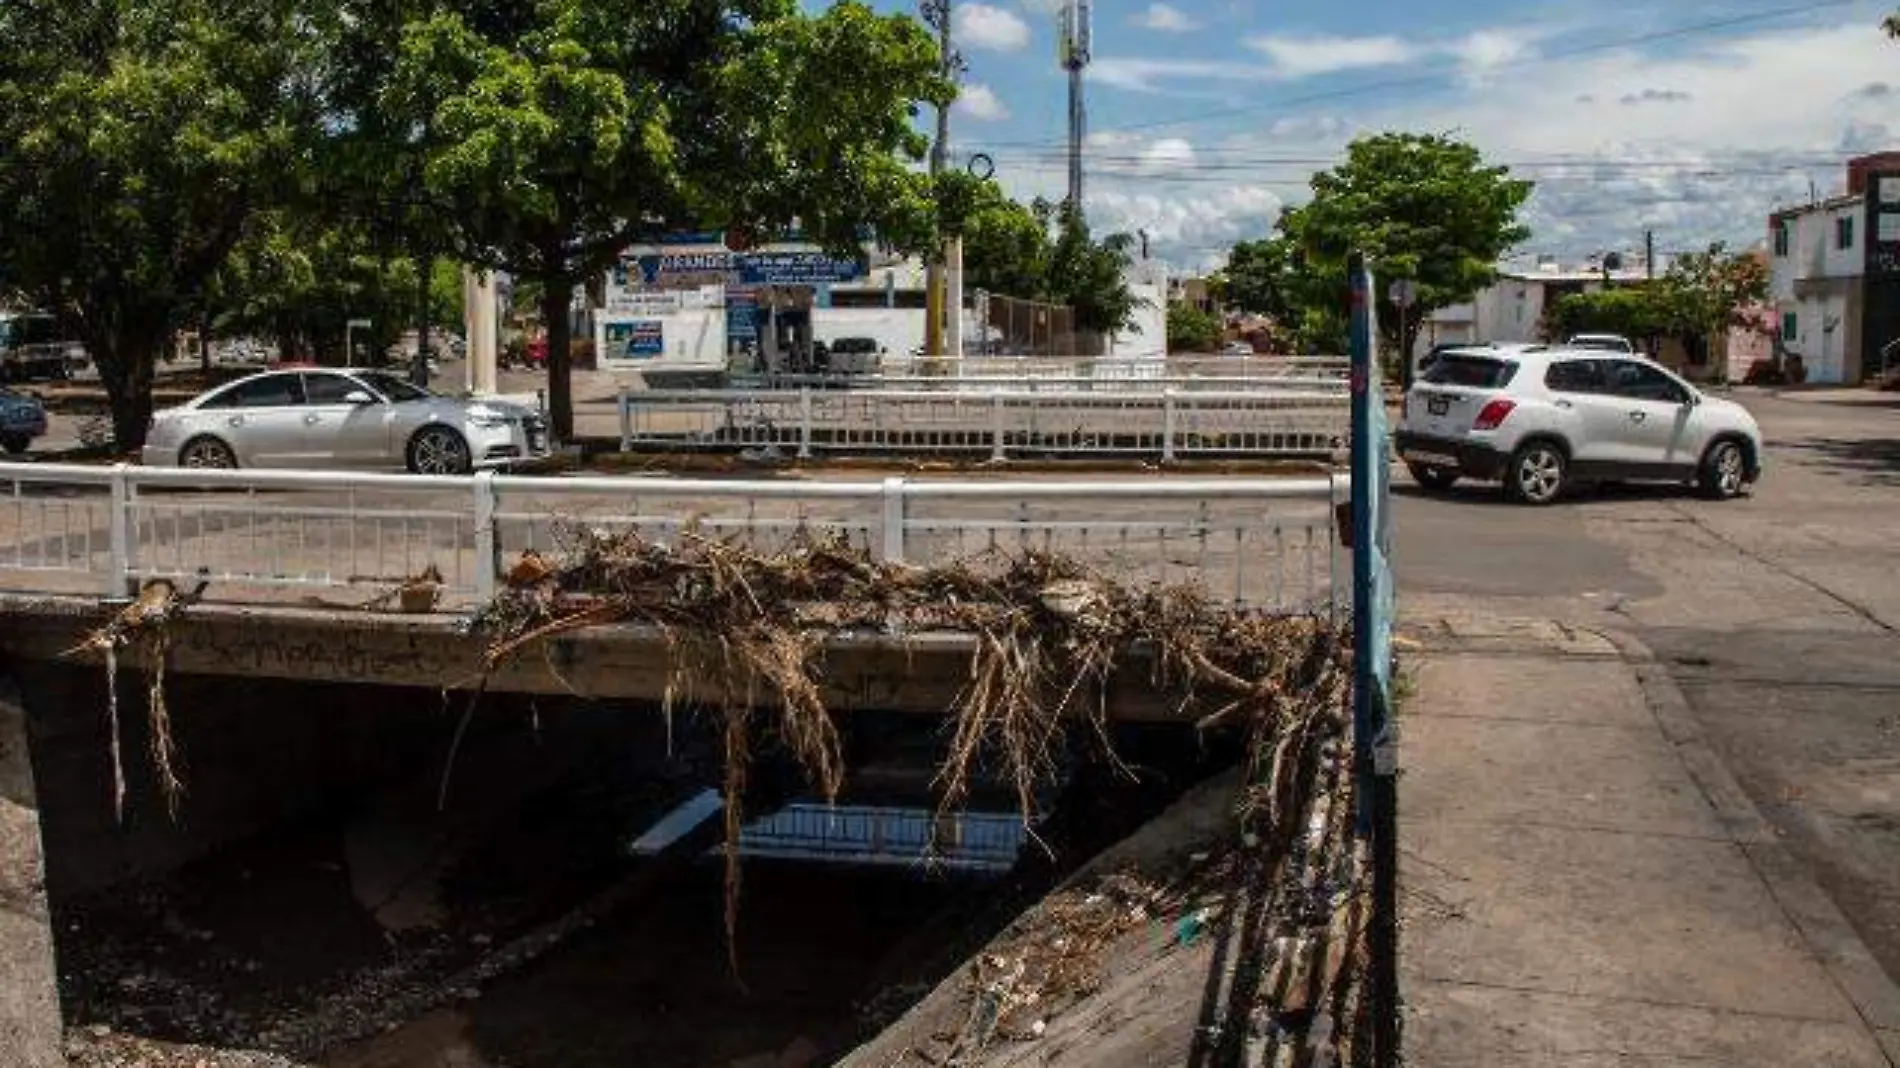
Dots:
{"x": 749, "y": 630}
{"x": 100, "y": 1047}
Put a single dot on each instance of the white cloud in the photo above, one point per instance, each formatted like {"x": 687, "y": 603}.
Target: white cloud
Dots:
{"x": 1167, "y": 154}
{"x": 992, "y": 28}
{"x": 1165, "y": 18}
{"x": 1146, "y": 75}
{"x": 1307, "y": 56}
{"x": 1480, "y": 54}
{"x": 980, "y": 102}
{"x": 1189, "y": 228}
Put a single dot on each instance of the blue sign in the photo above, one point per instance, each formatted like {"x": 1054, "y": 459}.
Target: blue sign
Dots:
{"x": 742, "y": 315}
{"x": 795, "y": 268}
{"x": 1372, "y": 583}
{"x": 641, "y": 339}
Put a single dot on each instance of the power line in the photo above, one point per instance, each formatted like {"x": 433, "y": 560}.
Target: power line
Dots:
{"x": 1434, "y": 78}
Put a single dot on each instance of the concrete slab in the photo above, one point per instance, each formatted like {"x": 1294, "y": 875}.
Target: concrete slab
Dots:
{"x": 1480, "y": 1027}
{"x": 1539, "y": 688}
{"x": 1611, "y": 915}
{"x": 29, "y": 1001}
{"x": 1605, "y": 777}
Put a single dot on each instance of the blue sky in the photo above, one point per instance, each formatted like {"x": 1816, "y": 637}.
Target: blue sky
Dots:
{"x": 1691, "y": 117}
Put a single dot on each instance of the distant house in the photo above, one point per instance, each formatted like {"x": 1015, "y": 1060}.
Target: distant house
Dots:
{"x": 1835, "y": 275}
{"x": 1512, "y": 309}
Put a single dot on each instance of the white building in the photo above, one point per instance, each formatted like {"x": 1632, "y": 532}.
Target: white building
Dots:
{"x": 1512, "y": 308}
{"x": 691, "y": 305}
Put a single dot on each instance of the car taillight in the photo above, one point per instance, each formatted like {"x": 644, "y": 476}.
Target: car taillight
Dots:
{"x": 1493, "y": 414}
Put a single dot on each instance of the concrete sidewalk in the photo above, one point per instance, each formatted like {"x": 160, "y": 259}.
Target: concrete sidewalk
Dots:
{"x": 1583, "y": 884}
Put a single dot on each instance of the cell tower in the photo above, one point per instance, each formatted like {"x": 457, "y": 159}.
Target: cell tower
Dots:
{"x": 1073, "y": 54}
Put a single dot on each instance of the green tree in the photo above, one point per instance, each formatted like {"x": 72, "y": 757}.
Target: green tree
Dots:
{"x": 1420, "y": 206}
{"x": 561, "y": 130}
{"x": 1088, "y": 275}
{"x": 141, "y": 139}
{"x": 1005, "y": 246}
{"x": 1698, "y": 300}
{"x": 1192, "y": 330}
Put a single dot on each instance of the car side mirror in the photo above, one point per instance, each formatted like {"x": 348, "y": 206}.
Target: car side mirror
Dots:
{"x": 358, "y": 397}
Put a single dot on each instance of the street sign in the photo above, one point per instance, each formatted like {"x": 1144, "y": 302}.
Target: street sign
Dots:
{"x": 359, "y": 324}
{"x": 1403, "y": 292}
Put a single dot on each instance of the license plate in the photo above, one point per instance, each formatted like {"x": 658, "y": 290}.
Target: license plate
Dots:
{"x": 1438, "y": 405}
{"x": 1431, "y": 459}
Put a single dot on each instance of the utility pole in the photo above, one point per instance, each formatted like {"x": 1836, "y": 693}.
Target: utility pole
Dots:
{"x": 1649, "y": 254}
{"x": 1074, "y": 44}
{"x": 937, "y": 15}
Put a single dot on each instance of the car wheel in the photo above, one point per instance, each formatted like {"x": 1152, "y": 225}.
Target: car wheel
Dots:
{"x": 1536, "y": 474}
{"x": 207, "y": 454}
{"x": 1432, "y": 478}
{"x": 15, "y": 444}
{"x": 1724, "y": 472}
{"x": 437, "y": 450}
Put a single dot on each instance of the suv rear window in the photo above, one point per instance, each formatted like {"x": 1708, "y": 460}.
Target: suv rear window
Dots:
{"x": 1476, "y": 372}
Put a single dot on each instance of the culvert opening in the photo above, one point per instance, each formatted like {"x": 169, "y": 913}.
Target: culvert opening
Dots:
{"x": 371, "y": 932}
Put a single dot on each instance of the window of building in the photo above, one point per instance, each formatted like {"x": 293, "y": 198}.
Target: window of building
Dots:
{"x": 1790, "y": 328}
{"x": 1781, "y": 237}
{"x": 1844, "y": 232}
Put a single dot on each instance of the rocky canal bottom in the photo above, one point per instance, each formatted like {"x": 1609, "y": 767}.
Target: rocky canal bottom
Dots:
{"x": 381, "y": 939}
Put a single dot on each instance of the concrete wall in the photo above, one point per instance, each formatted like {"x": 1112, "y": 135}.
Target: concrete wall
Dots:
{"x": 29, "y": 997}
{"x": 898, "y": 330}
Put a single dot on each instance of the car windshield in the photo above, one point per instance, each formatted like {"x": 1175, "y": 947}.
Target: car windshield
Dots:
{"x": 854, "y": 344}
{"x": 392, "y": 387}
{"x": 1465, "y": 369}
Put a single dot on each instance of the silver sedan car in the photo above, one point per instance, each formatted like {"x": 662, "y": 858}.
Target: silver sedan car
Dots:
{"x": 324, "y": 418}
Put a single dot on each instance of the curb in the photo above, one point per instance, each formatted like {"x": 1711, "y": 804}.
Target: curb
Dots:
{"x": 1836, "y": 946}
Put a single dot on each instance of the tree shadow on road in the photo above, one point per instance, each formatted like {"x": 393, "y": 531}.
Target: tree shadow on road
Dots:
{"x": 1874, "y": 461}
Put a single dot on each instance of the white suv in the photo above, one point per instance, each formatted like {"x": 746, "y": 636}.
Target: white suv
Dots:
{"x": 1539, "y": 418}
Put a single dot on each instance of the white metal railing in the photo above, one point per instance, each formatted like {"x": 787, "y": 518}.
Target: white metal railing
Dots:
{"x": 1180, "y": 365}
{"x": 1163, "y": 425}
{"x": 1266, "y": 544}
{"x": 1045, "y": 383}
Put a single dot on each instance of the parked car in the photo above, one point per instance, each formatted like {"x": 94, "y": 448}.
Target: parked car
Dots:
{"x": 22, "y": 418}
{"x": 32, "y": 346}
{"x": 314, "y": 417}
{"x": 1601, "y": 342}
{"x": 1539, "y": 419}
{"x": 1237, "y": 348}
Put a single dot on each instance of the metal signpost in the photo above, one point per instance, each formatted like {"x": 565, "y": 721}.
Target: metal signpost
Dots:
{"x": 1375, "y": 736}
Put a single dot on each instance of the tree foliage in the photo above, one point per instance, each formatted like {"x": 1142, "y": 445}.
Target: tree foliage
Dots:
{"x": 1036, "y": 252}
{"x": 141, "y": 137}
{"x": 1192, "y": 330}
{"x": 563, "y": 129}
{"x": 1702, "y": 295}
{"x": 1420, "y": 206}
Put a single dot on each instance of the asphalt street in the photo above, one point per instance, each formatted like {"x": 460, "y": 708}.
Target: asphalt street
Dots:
{"x": 1776, "y": 614}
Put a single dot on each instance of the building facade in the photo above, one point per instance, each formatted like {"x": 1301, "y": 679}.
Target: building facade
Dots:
{"x": 1835, "y": 276}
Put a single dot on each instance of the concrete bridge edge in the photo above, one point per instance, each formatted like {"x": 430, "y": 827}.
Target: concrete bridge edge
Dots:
{"x": 30, "y": 1026}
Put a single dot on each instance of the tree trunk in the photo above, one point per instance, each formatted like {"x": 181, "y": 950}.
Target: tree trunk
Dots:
{"x": 419, "y": 369}
{"x": 556, "y": 294}
{"x": 204, "y": 347}
{"x": 124, "y": 360}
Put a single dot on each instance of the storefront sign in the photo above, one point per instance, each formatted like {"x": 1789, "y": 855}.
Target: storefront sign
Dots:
{"x": 640, "y": 339}
{"x": 796, "y": 268}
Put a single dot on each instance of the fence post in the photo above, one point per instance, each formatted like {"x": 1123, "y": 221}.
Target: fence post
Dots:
{"x": 119, "y": 569}
{"x": 626, "y": 420}
{"x": 804, "y": 423}
{"x": 892, "y": 521}
{"x": 1167, "y": 425}
{"x": 487, "y": 551}
{"x": 996, "y": 426}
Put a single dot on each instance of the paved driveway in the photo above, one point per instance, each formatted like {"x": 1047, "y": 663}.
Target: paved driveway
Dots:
{"x": 1777, "y": 614}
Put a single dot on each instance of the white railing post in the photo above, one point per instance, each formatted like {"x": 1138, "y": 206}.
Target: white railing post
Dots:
{"x": 119, "y": 570}
{"x": 804, "y": 422}
{"x": 626, "y": 419}
{"x": 1167, "y": 426}
{"x": 996, "y": 425}
{"x": 487, "y": 551}
{"x": 892, "y": 521}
